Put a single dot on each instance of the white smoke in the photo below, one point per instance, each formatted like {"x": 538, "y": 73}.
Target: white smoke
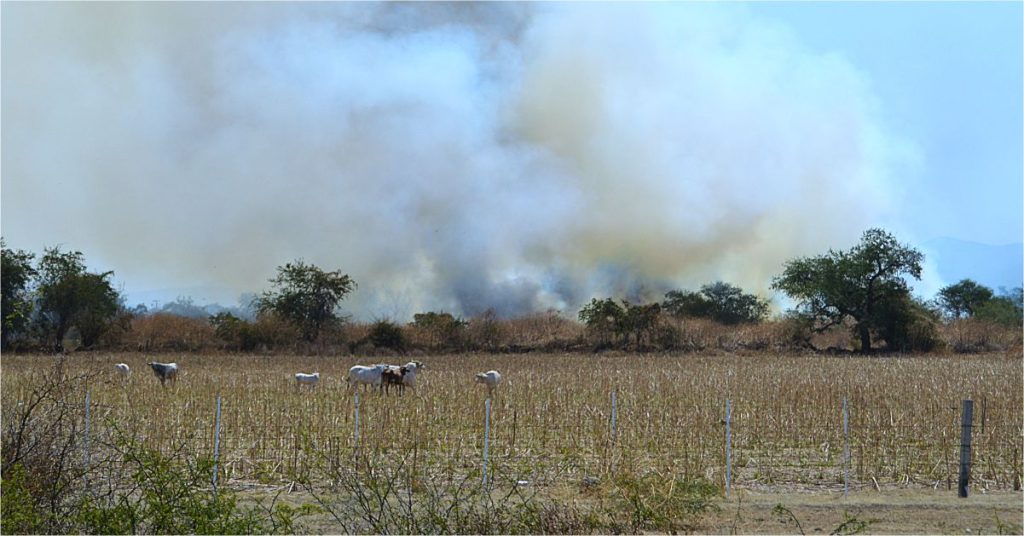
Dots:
{"x": 446, "y": 156}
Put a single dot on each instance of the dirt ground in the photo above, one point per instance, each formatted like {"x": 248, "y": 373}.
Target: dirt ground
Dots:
{"x": 886, "y": 512}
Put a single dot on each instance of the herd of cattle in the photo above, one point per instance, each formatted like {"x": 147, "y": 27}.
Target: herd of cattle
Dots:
{"x": 380, "y": 376}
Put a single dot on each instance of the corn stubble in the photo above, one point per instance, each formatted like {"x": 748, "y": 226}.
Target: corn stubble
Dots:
{"x": 551, "y": 417}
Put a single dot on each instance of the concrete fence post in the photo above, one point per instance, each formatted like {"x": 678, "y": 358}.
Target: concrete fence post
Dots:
{"x": 487, "y": 435}
{"x": 728, "y": 447}
{"x": 615, "y": 434}
{"x": 846, "y": 448}
{"x": 216, "y": 446}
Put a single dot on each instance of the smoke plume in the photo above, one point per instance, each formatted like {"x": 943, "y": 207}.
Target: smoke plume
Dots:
{"x": 446, "y": 156}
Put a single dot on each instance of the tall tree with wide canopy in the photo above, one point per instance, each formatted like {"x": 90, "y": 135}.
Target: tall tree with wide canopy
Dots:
{"x": 859, "y": 283}
{"x": 306, "y": 296}
{"x": 69, "y": 296}
{"x": 963, "y": 298}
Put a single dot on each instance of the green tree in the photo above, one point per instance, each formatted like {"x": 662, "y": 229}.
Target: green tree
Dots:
{"x": 639, "y": 320}
{"x": 306, "y": 296}
{"x": 69, "y": 296}
{"x": 683, "y": 303}
{"x": 441, "y": 329}
{"x": 603, "y": 317}
{"x": 15, "y": 274}
{"x": 856, "y": 284}
{"x": 386, "y": 334}
{"x": 1006, "y": 309}
{"x": 963, "y": 298}
{"x": 720, "y": 301}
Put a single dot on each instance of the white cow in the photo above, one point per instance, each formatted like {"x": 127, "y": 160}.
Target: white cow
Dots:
{"x": 307, "y": 379}
{"x": 491, "y": 379}
{"x": 123, "y": 369}
{"x": 366, "y": 375}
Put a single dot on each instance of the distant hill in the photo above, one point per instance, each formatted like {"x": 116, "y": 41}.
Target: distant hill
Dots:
{"x": 992, "y": 266}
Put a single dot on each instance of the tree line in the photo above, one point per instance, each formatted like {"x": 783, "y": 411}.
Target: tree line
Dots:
{"x": 863, "y": 290}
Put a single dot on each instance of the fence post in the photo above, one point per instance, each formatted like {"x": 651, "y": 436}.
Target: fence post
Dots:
{"x": 216, "y": 446}
{"x": 846, "y": 448}
{"x": 614, "y": 415}
{"x": 728, "y": 447}
{"x": 357, "y": 419}
{"x": 965, "y": 448}
{"x": 487, "y": 435}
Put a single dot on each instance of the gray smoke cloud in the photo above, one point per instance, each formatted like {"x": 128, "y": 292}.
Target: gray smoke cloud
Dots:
{"x": 517, "y": 157}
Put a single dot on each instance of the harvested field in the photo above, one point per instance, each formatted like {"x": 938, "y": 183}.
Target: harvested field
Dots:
{"x": 558, "y": 462}
{"x": 551, "y": 419}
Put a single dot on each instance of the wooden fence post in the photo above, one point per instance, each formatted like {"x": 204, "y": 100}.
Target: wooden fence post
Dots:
{"x": 965, "y": 448}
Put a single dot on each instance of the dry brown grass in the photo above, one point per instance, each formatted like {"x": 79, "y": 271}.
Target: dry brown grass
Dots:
{"x": 551, "y": 415}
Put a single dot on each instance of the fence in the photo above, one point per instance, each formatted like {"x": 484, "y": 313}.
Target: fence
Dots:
{"x": 850, "y": 450}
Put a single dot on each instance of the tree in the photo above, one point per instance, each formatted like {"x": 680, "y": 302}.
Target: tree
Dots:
{"x": 683, "y": 303}
{"x": 441, "y": 328}
{"x": 720, "y": 301}
{"x": 386, "y": 334}
{"x": 856, "y": 284}
{"x": 963, "y": 298}
{"x": 639, "y": 320}
{"x": 69, "y": 296}
{"x": 16, "y": 309}
{"x": 305, "y": 296}
{"x": 1006, "y": 309}
{"x": 603, "y": 317}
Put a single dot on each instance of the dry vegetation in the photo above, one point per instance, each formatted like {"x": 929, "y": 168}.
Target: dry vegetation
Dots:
{"x": 539, "y": 332}
{"x": 551, "y": 419}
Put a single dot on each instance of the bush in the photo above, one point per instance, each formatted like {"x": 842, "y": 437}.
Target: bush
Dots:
{"x": 127, "y": 488}
{"x": 385, "y": 496}
{"x": 171, "y": 497}
{"x": 969, "y": 335}
{"x": 543, "y": 331}
{"x": 387, "y": 334}
{"x": 168, "y": 332}
{"x": 439, "y": 331}
{"x": 487, "y": 333}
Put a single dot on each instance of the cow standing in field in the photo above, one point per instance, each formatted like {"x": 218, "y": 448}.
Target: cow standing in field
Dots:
{"x": 360, "y": 375}
{"x": 123, "y": 369}
{"x": 165, "y": 372}
{"x": 491, "y": 379}
{"x": 307, "y": 379}
{"x": 394, "y": 377}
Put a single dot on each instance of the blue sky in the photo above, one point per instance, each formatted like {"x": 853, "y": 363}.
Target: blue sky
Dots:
{"x": 948, "y": 77}
{"x": 511, "y": 156}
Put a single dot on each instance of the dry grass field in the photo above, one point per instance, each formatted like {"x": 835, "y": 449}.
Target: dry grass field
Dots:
{"x": 551, "y": 418}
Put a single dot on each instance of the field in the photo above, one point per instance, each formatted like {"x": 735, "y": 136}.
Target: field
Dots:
{"x": 551, "y": 426}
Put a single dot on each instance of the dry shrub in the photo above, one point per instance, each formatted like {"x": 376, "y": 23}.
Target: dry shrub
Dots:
{"x": 971, "y": 335}
{"x": 543, "y": 331}
{"x": 163, "y": 331}
{"x": 486, "y": 332}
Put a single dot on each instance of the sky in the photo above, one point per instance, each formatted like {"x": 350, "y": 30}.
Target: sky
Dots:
{"x": 514, "y": 157}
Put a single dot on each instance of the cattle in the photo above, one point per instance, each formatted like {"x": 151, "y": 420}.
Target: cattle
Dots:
{"x": 165, "y": 372}
{"x": 307, "y": 379}
{"x": 491, "y": 379}
{"x": 360, "y": 375}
